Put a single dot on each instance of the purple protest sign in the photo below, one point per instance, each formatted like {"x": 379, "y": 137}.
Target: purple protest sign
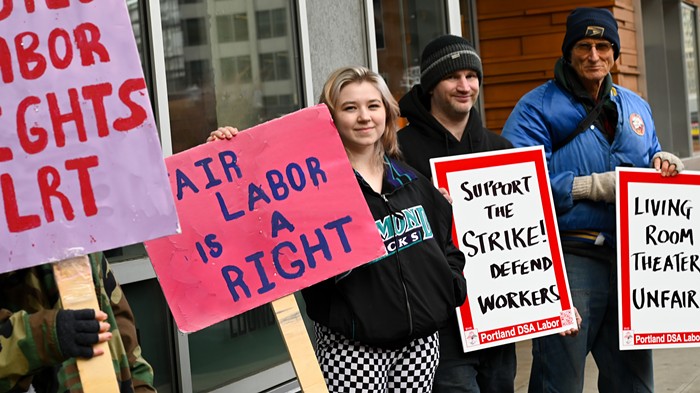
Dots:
{"x": 81, "y": 168}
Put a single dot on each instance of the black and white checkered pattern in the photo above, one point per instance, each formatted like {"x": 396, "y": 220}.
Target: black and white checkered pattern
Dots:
{"x": 351, "y": 367}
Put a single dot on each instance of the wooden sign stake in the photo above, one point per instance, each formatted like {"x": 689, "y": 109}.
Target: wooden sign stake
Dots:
{"x": 298, "y": 345}
{"x": 77, "y": 291}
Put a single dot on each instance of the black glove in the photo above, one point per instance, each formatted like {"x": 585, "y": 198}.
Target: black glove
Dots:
{"x": 77, "y": 332}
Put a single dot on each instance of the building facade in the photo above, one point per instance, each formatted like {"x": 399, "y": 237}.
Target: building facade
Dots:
{"x": 242, "y": 62}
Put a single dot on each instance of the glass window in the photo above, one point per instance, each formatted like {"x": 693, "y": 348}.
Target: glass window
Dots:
{"x": 228, "y": 69}
{"x": 277, "y": 104}
{"x": 264, "y": 24}
{"x": 271, "y": 101}
{"x": 197, "y": 72}
{"x": 224, "y": 28}
{"x": 240, "y": 26}
{"x": 275, "y": 66}
{"x": 195, "y": 33}
{"x": 272, "y": 23}
{"x": 243, "y": 69}
{"x": 466, "y": 13}
{"x": 378, "y": 24}
{"x": 235, "y": 349}
{"x": 690, "y": 46}
{"x": 279, "y": 22}
{"x": 212, "y": 82}
{"x": 154, "y": 333}
{"x": 230, "y": 28}
{"x": 236, "y": 69}
{"x": 267, "y": 66}
{"x": 403, "y": 28}
{"x": 205, "y": 91}
{"x": 282, "y": 71}
{"x": 139, "y": 27}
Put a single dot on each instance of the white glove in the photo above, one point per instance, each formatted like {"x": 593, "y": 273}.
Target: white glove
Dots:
{"x": 672, "y": 160}
{"x": 596, "y": 187}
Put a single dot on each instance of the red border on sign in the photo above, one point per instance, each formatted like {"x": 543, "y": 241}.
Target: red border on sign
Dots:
{"x": 626, "y": 177}
{"x": 509, "y": 158}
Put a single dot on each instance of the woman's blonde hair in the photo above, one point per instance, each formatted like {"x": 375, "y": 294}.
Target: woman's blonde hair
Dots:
{"x": 388, "y": 143}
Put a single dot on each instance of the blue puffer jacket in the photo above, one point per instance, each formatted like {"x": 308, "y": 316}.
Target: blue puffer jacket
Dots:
{"x": 546, "y": 116}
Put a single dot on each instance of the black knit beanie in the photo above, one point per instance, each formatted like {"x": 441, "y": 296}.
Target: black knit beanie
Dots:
{"x": 587, "y": 22}
{"x": 445, "y": 55}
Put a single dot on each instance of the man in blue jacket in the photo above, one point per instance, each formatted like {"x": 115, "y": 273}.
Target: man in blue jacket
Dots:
{"x": 588, "y": 126}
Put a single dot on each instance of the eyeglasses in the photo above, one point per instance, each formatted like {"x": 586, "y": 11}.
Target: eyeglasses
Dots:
{"x": 583, "y": 48}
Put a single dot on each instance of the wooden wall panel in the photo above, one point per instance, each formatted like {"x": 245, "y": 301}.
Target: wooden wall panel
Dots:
{"x": 520, "y": 41}
{"x": 543, "y": 44}
{"x": 525, "y": 65}
{"x": 504, "y": 95}
{"x": 507, "y": 47}
{"x": 505, "y": 26}
{"x": 503, "y": 6}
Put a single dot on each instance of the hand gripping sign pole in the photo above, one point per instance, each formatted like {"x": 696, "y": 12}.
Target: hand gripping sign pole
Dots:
{"x": 77, "y": 291}
{"x": 298, "y": 345}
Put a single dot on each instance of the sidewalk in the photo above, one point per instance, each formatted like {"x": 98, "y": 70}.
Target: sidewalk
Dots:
{"x": 675, "y": 370}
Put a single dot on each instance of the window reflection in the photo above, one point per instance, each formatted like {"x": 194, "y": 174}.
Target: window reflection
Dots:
{"x": 240, "y": 26}
{"x": 146, "y": 296}
{"x": 227, "y": 62}
{"x": 690, "y": 45}
{"x": 136, "y": 26}
{"x": 139, "y": 27}
{"x": 403, "y": 28}
{"x": 224, "y": 28}
{"x": 466, "y": 13}
{"x": 272, "y": 23}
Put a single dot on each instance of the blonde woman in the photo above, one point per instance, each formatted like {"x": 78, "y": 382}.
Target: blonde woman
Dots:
{"x": 376, "y": 325}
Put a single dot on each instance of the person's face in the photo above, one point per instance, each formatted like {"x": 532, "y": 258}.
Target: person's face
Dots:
{"x": 455, "y": 95}
{"x": 592, "y": 59}
{"x": 360, "y": 116}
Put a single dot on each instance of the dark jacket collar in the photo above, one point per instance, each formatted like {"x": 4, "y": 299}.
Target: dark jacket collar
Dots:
{"x": 566, "y": 77}
{"x": 396, "y": 175}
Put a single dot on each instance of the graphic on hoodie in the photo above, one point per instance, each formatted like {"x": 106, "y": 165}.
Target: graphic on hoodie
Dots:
{"x": 404, "y": 229}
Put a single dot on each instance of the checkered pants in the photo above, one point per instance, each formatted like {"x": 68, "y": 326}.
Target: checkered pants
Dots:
{"x": 351, "y": 367}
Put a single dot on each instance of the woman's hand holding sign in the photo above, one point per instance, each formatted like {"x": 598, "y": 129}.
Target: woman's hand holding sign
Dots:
{"x": 225, "y": 132}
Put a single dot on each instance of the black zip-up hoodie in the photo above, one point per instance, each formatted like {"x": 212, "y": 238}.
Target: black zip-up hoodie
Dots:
{"x": 407, "y": 294}
{"x": 425, "y": 138}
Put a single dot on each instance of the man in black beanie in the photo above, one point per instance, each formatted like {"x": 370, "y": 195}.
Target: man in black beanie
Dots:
{"x": 588, "y": 126}
{"x": 443, "y": 122}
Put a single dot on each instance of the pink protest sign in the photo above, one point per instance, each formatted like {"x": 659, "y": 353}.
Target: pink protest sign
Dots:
{"x": 81, "y": 168}
{"x": 504, "y": 222}
{"x": 274, "y": 210}
{"x": 658, "y": 259}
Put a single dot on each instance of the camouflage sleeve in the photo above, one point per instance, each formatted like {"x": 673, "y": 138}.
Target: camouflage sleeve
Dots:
{"x": 140, "y": 370}
{"x": 27, "y": 343}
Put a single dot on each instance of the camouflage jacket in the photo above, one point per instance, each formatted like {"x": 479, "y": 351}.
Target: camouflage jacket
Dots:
{"x": 29, "y": 350}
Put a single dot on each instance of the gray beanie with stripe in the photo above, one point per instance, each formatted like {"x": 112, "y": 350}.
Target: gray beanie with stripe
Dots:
{"x": 445, "y": 55}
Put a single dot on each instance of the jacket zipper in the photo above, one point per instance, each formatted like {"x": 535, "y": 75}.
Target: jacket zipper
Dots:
{"x": 398, "y": 263}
